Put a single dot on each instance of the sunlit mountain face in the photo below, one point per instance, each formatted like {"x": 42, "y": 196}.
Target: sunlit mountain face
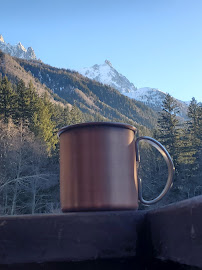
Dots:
{"x": 152, "y": 97}
{"x": 17, "y": 50}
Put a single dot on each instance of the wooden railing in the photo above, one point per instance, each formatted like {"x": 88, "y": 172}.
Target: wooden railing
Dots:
{"x": 169, "y": 237}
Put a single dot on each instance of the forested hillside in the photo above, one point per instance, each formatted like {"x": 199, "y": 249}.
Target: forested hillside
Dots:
{"x": 29, "y": 147}
{"x": 29, "y": 161}
{"x": 10, "y": 68}
{"x": 91, "y": 96}
{"x": 184, "y": 143}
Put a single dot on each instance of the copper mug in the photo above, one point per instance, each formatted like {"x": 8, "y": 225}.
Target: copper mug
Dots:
{"x": 98, "y": 167}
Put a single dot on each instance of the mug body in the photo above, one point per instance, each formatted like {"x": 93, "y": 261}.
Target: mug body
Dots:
{"x": 98, "y": 167}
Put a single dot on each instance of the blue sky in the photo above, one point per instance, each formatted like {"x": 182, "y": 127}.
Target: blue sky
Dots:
{"x": 154, "y": 43}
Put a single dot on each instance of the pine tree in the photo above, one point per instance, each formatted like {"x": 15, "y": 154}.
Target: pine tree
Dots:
{"x": 75, "y": 116}
{"x": 7, "y": 97}
{"x": 194, "y": 113}
{"x": 33, "y": 100}
{"x": 194, "y": 134}
{"x": 42, "y": 124}
{"x": 168, "y": 128}
{"x": 22, "y": 103}
{"x": 65, "y": 117}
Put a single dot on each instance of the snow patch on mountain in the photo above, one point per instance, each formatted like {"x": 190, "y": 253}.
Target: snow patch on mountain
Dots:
{"x": 152, "y": 97}
{"x": 148, "y": 95}
{"x": 17, "y": 50}
{"x": 106, "y": 74}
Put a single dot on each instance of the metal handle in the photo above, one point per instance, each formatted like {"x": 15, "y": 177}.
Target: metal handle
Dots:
{"x": 169, "y": 163}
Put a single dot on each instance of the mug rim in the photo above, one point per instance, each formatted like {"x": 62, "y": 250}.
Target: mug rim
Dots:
{"x": 89, "y": 124}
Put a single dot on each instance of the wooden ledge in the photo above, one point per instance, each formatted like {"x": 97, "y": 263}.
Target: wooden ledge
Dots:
{"x": 176, "y": 232}
{"x": 70, "y": 237}
{"x": 172, "y": 233}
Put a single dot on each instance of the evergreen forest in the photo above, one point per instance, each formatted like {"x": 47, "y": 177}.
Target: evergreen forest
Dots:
{"x": 29, "y": 149}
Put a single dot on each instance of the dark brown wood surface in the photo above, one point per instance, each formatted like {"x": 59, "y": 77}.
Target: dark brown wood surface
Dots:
{"x": 172, "y": 234}
{"x": 70, "y": 237}
{"x": 176, "y": 232}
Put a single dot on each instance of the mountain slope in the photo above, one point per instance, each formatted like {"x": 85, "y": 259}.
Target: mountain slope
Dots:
{"x": 153, "y": 98}
{"x": 14, "y": 72}
{"x": 17, "y": 50}
{"x": 106, "y": 74}
{"x": 91, "y": 96}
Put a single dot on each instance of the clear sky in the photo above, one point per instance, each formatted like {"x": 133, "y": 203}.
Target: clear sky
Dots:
{"x": 154, "y": 43}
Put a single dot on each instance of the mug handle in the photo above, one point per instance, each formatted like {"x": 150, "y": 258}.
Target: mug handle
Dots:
{"x": 168, "y": 161}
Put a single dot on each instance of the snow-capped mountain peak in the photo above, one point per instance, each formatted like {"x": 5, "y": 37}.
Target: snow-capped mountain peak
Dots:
{"x": 106, "y": 74}
{"x": 21, "y": 47}
{"x": 18, "y": 50}
{"x": 152, "y": 97}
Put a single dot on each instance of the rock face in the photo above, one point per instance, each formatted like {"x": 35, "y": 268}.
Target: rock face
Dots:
{"x": 18, "y": 50}
{"x": 106, "y": 74}
{"x": 152, "y": 97}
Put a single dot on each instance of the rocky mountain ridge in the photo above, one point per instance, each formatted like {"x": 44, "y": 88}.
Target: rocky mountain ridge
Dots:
{"x": 17, "y": 50}
{"x": 93, "y": 98}
{"x": 105, "y": 74}
{"x": 9, "y": 67}
{"x": 108, "y": 75}
{"x": 152, "y": 97}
